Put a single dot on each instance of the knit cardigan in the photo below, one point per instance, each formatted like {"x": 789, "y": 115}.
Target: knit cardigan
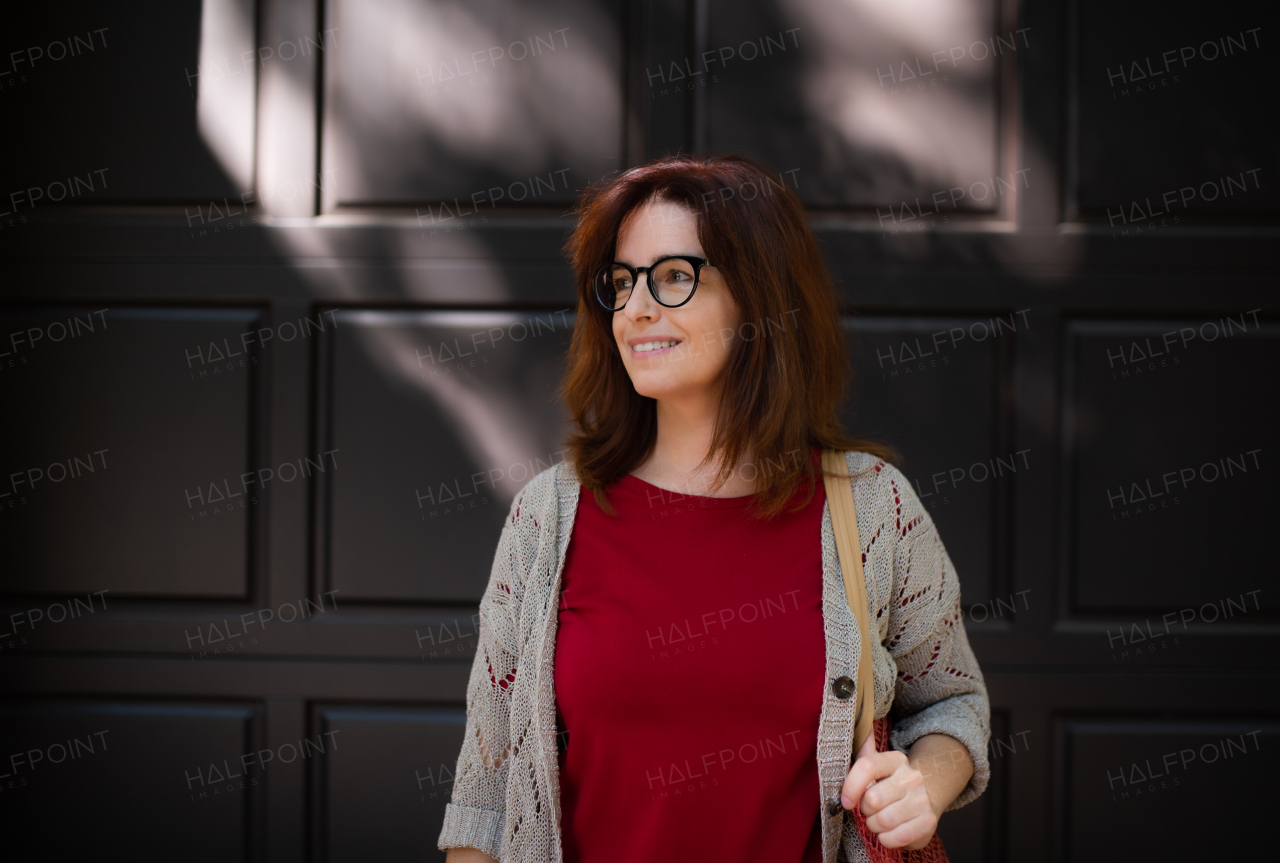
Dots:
{"x": 506, "y": 791}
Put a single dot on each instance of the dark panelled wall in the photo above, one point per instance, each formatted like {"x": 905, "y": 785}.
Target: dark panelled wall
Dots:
{"x": 283, "y": 313}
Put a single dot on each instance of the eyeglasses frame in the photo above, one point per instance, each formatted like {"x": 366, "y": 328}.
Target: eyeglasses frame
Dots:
{"x": 636, "y": 272}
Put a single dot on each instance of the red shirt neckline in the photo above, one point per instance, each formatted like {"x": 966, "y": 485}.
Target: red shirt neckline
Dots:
{"x": 666, "y": 497}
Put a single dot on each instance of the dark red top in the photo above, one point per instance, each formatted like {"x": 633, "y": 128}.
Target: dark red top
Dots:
{"x": 690, "y": 668}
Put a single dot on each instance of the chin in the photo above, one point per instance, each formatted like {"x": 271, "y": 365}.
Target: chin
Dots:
{"x": 662, "y": 389}
{"x": 652, "y": 391}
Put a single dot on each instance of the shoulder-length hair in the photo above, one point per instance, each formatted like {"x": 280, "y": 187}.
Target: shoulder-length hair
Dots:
{"x": 787, "y": 368}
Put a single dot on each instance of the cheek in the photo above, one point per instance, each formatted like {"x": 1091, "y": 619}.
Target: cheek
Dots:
{"x": 721, "y": 328}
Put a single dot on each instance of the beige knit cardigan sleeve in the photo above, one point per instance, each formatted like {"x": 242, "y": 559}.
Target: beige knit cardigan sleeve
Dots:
{"x": 505, "y": 798}
{"x": 926, "y": 676}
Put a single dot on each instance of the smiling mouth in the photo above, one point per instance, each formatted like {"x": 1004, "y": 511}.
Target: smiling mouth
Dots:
{"x": 645, "y": 347}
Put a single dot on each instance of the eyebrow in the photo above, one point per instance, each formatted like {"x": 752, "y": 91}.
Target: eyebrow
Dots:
{"x": 660, "y": 257}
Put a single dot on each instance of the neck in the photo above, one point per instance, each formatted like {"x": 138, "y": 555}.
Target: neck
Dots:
{"x": 685, "y": 429}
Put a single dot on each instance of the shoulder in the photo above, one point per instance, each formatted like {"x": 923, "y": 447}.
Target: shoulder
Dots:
{"x": 872, "y": 473}
{"x": 532, "y": 522}
{"x": 551, "y": 485}
{"x": 881, "y": 491}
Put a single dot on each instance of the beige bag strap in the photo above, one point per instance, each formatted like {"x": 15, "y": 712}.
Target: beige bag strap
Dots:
{"x": 844, "y": 522}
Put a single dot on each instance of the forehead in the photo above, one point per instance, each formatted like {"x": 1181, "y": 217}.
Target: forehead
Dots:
{"x": 659, "y": 227}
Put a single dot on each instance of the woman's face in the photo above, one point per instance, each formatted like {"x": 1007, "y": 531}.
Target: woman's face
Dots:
{"x": 703, "y": 329}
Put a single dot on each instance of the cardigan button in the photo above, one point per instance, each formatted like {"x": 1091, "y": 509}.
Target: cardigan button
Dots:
{"x": 842, "y": 687}
{"x": 835, "y": 808}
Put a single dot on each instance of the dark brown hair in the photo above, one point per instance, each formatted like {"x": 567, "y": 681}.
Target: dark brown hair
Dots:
{"x": 785, "y": 374}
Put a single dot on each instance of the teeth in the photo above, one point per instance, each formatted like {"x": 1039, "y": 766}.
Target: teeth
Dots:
{"x": 653, "y": 346}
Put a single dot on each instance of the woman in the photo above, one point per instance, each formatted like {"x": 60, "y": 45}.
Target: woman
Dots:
{"x": 665, "y": 664}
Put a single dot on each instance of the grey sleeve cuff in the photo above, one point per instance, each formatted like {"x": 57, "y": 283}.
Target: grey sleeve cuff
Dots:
{"x": 960, "y": 717}
{"x": 467, "y": 827}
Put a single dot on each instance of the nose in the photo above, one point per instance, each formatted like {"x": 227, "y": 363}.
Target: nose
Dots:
{"x": 644, "y": 308}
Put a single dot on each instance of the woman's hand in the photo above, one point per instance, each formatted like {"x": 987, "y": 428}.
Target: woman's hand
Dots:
{"x": 903, "y": 797}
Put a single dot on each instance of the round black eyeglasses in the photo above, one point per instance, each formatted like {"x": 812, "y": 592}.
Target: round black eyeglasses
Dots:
{"x": 672, "y": 281}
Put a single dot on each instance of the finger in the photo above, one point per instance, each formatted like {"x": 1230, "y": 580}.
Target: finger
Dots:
{"x": 888, "y": 791}
{"x": 866, "y": 770}
{"x": 896, "y": 812}
{"x": 865, "y": 750}
{"x": 916, "y": 833}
